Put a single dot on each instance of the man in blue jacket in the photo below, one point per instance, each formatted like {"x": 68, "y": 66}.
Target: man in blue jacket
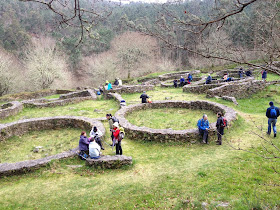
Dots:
{"x": 182, "y": 81}
{"x": 203, "y": 127}
{"x": 272, "y": 113}
{"x": 208, "y": 79}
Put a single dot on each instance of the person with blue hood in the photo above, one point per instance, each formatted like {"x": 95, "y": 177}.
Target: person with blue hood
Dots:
{"x": 182, "y": 81}
{"x": 208, "y": 79}
{"x": 272, "y": 113}
{"x": 203, "y": 127}
{"x": 264, "y": 75}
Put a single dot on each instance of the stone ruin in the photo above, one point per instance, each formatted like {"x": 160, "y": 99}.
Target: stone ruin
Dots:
{"x": 64, "y": 99}
{"x": 110, "y": 162}
{"x": 176, "y": 75}
{"x": 170, "y": 135}
{"x": 131, "y": 89}
{"x": 47, "y": 123}
{"x": 9, "y": 109}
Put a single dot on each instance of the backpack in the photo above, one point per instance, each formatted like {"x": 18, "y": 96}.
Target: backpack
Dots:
{"x": 121, "y": 136}
{"x": 273, "y": 113}
{"x": 115, "y": 119}
{"x": 224, "y": 123}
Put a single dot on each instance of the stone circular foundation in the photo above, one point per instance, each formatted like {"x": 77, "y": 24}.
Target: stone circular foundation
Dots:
{"x": 47, "y": 123}
{"x": 169, "y": 135}
{"x": 9, "y": 109}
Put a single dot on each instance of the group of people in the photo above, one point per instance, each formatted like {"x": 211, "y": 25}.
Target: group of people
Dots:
{"x": 117, "y": 82}
{"x": 92, "y": 146}
{"x": 183, "y": 81}
{"x": 272, "y": 113}
{"x": 204, "y": 126}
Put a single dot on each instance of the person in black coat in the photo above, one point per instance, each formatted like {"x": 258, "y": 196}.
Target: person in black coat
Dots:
{"x": 175, "y": 83}
{"x": 116, "y": 82}
{"x": 144, "y": 97}
{"x": 220, "y": 128}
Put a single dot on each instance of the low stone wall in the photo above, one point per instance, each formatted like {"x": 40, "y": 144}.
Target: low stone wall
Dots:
{"x": 83, "y": 93}
{"x": 151, "y": 82}
{"x": 175, "y": 75}
{"x": 118, "y": 98}
{"x": 169, "y": 135}
{"x": 238, "y": 89}
{"x": 41, "y": 103}
{"x": 131, "y": 89}
{"x": 199, "y": 88}
{"x": 109, "y": 162}
{"x": 32, "y": 95}
{"x": 23, "y": 126}
{"x": 10, "y": 109}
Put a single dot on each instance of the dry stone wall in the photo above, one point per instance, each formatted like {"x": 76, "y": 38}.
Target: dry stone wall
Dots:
{"x": 238, "y": 90}
{"x": 169, "y": 135}
{"x": 109, "y": 162}
{"x": 131, "y": 89}
{"x": 170, "y": 76}
{"x": 23, "y": 126}
{"x": 10, "y": 109}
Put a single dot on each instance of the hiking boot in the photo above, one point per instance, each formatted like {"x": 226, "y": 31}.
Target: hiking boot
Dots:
{"x": 268, "y": 133}
{"x": 275, "y": 135}
{"x": 102, "y": 148}
{"x": 204, "y": 142}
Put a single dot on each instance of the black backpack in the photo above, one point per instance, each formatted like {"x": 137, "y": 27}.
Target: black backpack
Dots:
{"x": 115, "y": 119}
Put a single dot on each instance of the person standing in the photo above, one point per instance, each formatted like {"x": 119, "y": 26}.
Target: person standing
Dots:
{"x": 175, "y": 83}
{"x": 116, "y": 141}
{"x": 189, "y": 78}
{"x": 272, "y": 113}
{"x": 144, "y": 97}
{"x": 182, "y": 81}
{"x": 220, "y": 128}
{"x": 264, "y": 75}
{"x": 203, "y": 127}
{"x": 111, "y": 122}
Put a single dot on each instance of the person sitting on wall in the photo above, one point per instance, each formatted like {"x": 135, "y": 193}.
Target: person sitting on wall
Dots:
{"x": 144, "y": 97}
{"x": 109, "y": 87}
{"x": 96, "y": 134}
{"x": 175, "y": 83}
{"x": 264, "y": 75}
{"x": 203, "y": 127}
{"x": 225, "y": 77}
{"x": 241, "y": 71}
{"x": 120, "y": 82}
{"x": 116, "y": 82}
{"x": 94, "y": 149}
{"x": 83, "y": 145}
{"x": 182, "y": 81}
{"x": 249, "y": 73}
{"x": 208, "y": 79}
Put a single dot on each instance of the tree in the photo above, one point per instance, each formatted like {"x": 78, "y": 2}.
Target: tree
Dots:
{"x": 45, "y": 65}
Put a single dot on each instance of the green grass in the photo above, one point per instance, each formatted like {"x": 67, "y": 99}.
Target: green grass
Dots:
{"x": 52, "y": 96}
{"x": 163, "y": 176}
{"x": 19, "y": 148}
{"x": 174, "y": 118}
{"x": 84, "y": 108}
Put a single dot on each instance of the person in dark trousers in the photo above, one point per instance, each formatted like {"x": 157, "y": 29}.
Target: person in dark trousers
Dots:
{"x": 144, "y": 97}
{"x": 264, "y": 75}
{"x": 96, "y": 134}
{"x": 220, "y": 128}
{"x": 117, "y": 141}
{"x": 175, "y": 83}
{"x": 83, "y": 144}
{"x": 208, "y": 79}
{"x": 272, "y": 113}
{"x": 116, "y": 82}
{"x": 189, "y": 78}
{"x": 111, "y": 122}
{"x": 203, "y": 127}
{"x": 182, "y": 81}
{"x": 241, "y": 71}
{"x": 249, "y": 73}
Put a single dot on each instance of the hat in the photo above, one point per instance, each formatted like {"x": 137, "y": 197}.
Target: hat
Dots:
{"x": 271, "y": 103}
{"x": 107, "y": 81}
{"x": 116, "y": 124}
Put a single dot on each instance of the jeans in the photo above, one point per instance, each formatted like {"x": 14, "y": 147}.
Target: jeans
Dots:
{"x": 204, "y": 134}
{"x": 273, "y": 122}
{"x": 119, "y": 148}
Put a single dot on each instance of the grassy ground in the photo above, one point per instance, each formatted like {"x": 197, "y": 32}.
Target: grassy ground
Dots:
{"x": 163, "y": 176}
{"x": 19, "y": 148}
{"x": 177, "y": 119}
{"x": 84, "y": 108}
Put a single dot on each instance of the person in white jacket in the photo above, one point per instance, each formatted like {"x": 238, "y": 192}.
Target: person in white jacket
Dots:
{"x": 96, "y": 134}
{"x": 94, "y": 149}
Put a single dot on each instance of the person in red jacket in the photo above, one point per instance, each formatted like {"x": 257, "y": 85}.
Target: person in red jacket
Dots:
{"x": 116, "y": 132}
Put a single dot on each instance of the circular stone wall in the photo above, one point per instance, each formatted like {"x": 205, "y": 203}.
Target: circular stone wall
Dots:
{"x": 169, "y": 135}
{"x": 10, "y": 109}
{"x": 47, "y": 123}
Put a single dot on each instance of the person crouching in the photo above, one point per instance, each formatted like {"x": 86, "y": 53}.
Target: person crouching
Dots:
{"x": 94, "y": 149}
